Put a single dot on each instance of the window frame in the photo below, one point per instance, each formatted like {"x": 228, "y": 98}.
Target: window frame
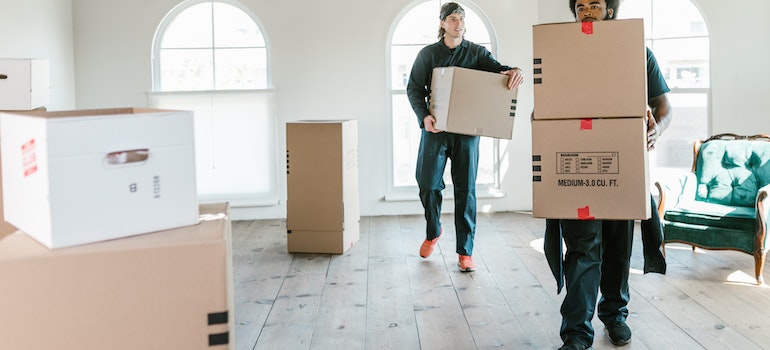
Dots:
{"x": 270, "y": 197}
{"x": 173, "y": 13}
{"x": 660, "y": 171}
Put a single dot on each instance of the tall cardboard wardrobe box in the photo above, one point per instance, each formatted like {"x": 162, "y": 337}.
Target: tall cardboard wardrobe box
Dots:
{"x": 322, "y": 209}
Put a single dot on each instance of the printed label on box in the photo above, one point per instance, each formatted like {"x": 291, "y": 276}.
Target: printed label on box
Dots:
{"x": 587, "y": 163}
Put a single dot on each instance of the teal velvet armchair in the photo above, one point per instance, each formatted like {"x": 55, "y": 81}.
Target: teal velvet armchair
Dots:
{"x": 723, "y": 203}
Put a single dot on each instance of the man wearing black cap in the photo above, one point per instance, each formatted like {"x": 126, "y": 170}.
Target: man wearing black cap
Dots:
{"x": 436, "y": 146}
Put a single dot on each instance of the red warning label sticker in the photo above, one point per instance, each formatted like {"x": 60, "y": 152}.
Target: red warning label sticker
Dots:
{"x": 29, "y": 158}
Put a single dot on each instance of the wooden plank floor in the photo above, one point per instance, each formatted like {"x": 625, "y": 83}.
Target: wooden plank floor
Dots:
{"x": 381, "y": 295}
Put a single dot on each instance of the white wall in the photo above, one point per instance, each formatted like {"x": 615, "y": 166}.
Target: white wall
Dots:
{"x": 42, "y": 29}
{"x": 329, "y": 60}
{"x": 740, "y": 52}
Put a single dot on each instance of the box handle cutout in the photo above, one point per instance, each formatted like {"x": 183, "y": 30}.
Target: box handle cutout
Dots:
{"x": 3, "y": 76}
{"x": 127, "y": 157}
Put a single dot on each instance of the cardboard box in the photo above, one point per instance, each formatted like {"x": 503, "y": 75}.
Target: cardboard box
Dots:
{"x": 77, "y": 177}
{"x": 472, "y": 102}
{"x": 24, "y": 84}
{"x": 164, "y": 290}
{"x": 590, "y": 169}
{"x": 322, "y": 209}
{"x": 602, "y": 74}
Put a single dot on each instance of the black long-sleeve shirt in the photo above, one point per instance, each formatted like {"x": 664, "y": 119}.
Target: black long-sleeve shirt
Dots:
{"x": 466, "y": 55}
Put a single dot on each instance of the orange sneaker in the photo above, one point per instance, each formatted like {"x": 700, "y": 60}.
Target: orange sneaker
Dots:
{"x": 427, "y": 247}
{"x": 466, "y": 263}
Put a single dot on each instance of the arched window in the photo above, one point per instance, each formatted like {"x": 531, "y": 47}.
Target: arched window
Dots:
{"x": 209, "y": 45}
{"x": 416, "y": 27}
{"x": 211, "y": 57}
{"x": 676, "y": 32}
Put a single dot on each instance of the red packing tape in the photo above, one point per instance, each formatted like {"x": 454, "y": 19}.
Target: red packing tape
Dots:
{"x": 586, "y": 124}
{"x": 584, "y": 213}
{"x": 588, "y": 28}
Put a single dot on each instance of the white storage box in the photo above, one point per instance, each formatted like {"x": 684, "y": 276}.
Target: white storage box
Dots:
{"x": 76, "y": 177}
{"x": 24, "y": 84}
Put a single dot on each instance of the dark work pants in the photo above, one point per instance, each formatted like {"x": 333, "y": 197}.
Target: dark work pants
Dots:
{"x": 598, "y": 258}
{"x": 463, "y": 151}
{"x": 652, "y": 240}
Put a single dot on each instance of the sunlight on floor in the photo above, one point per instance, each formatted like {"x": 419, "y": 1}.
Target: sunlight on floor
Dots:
{"x": 537, "y": 245}
{"x": 740, "y": 278}
{"x": 680, "y": 246}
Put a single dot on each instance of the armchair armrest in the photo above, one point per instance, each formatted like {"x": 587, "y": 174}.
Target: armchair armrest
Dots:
{"x": 763, "y": 210}
{"x": 674, "y": 191}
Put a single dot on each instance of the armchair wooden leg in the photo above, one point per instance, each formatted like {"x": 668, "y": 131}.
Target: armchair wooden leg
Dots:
{"x": 759, "y": 265}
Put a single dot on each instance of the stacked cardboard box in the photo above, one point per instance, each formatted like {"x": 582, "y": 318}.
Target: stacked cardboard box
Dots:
{"x": 77, "y": 177}
{"x": 24, "y": 86}
{"x": 165, "y": 290}
{"x": 472, "y": 102}
{"x": 322, "y": 209}
{"x": 73, "y": 182}
{"x": 589, "y": 130}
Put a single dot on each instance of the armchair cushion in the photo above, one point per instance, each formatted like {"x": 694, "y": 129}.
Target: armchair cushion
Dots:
{"x": 731, "y": 172}
{"x": 714, "y": 215}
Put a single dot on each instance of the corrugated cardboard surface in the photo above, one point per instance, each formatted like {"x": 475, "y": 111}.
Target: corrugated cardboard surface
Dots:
{"x": 326, "y": 242}
{"x": 472, "y": 102}
{"x": 164, "y": 290}
{"x": 598, "y": 75}
{"x": 594, "y": 168}
{"x": 59, "y": 165}
{"x": 322, "y": 186}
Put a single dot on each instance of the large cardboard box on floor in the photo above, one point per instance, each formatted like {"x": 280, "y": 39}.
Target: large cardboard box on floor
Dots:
{"x": 322, "y": 209}
{"x": 77, "y": 177}
{"x": 472, "y": 102}
{"x": 590, "y": 70}
{"x": 164, "y": 290}
{"x": 24, "y": 84}
{"x": 590, "y": 169}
